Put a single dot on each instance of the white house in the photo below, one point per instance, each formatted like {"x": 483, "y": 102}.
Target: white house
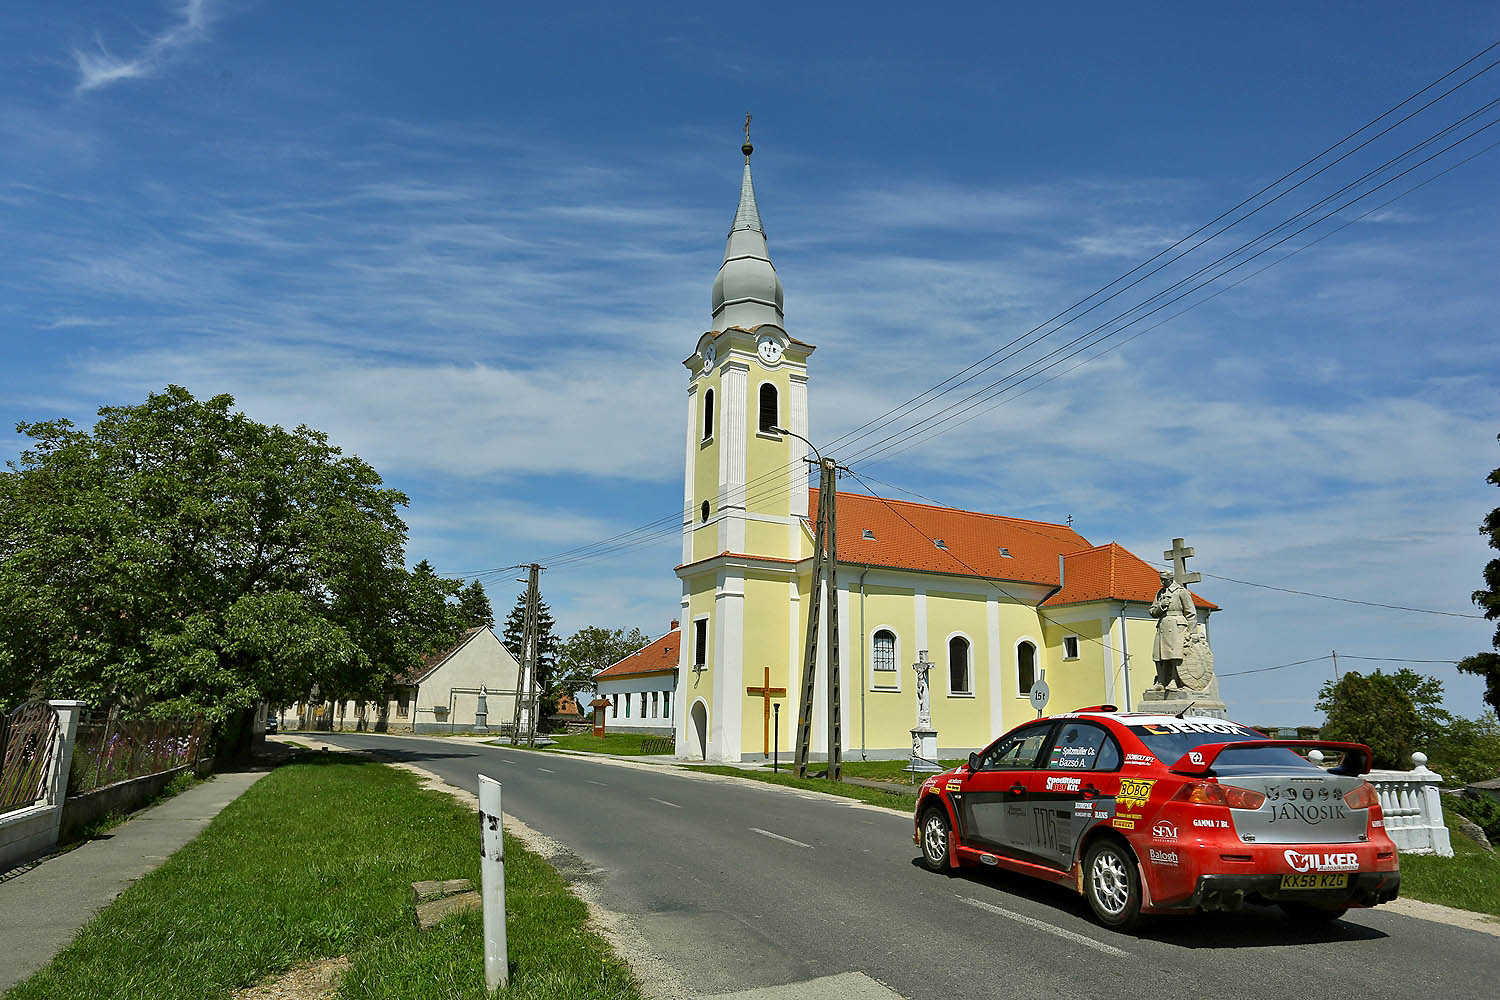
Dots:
{"x": 640, "y": 688}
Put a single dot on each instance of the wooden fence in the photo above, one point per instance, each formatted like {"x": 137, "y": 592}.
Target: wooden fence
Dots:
{"x": 113, "y": 751}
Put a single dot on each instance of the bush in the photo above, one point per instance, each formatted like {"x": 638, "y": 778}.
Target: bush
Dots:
{"x": 1479, "y": 809}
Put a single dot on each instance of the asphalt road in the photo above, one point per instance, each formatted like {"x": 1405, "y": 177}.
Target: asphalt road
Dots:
{"x": 738, "y": 884}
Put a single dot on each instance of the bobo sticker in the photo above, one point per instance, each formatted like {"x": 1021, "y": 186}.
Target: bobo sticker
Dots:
{"x": 1134, "y": 792}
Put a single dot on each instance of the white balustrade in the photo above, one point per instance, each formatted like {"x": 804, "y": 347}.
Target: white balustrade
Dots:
{"x": 1413, "y": 811}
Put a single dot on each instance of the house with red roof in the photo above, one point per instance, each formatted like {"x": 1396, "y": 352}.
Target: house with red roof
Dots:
{"x": 991, "y": 603}
{"x": 640, "y": 688}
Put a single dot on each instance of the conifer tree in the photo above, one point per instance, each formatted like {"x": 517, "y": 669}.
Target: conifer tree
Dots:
{"x": 1487, "y": 665}
{"x": 548, "y": 690}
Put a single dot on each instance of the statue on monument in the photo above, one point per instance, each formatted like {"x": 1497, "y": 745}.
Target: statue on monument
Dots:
{"x": 1176, "y": 622}
{"x": 924, "y": 698}
{"x": 1184, "y": 663}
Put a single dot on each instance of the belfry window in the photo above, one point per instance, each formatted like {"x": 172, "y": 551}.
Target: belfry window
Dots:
{"x": 708, "y": 414}
{"x": 769, "y": 420}
{"x": 1025, "y": 668}
{"x": 958, "y": 666}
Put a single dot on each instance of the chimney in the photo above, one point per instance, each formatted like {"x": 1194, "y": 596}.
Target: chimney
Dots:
{"x": 675, "y": 623}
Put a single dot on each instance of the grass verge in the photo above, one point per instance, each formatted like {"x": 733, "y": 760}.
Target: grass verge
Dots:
{"x": 888, "y": 770}
{"x": 903, "y": 801}
{"x": 1470, "y": 880}
{"x": 624, "y": 744}
{"x": 180, "y": 783}
{"x": 316, "y": 860}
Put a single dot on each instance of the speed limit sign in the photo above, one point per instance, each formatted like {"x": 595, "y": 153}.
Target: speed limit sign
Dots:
{"x": 1039, "y": 694}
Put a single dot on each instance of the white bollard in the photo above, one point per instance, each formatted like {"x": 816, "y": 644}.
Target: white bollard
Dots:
{"x": 492, "y": 884}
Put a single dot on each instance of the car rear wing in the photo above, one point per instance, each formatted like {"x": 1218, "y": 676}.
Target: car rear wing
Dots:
{"x": 1199, "y": 763}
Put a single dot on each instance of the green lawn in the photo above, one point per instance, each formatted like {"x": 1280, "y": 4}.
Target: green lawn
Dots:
{"x": 625, "y": 744}
{"x": 903, "y": 801}
{"x": 1469, "y": 880}
{"x": 316, "y": 860}
{"x": 886, "y": 770}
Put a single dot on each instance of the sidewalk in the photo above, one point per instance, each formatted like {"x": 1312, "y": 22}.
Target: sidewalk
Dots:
{"x": 42, "y": 909}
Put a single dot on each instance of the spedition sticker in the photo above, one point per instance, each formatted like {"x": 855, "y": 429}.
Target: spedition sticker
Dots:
{"x": 1134, "y": 792}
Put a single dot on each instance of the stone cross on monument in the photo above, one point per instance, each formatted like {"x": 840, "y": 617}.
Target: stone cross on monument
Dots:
{"x": 1179, "y": 555}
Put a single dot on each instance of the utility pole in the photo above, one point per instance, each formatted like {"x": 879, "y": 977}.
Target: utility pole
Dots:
{"x": 825, "y": 561}
{"x": 1335, "y": 664}
{"x": 526, "y": 683}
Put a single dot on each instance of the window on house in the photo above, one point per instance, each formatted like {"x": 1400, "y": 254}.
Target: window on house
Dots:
{"x": 627, "y": 706}
{"x": 403, "y": 705}
{"x": 700, "y": 642}
{"x": 666, "y": 705}
{"x": 708, "y": 414}
{"x": 768, "y": 416}
{"x": 1070, "y": 647}
{"x": 1025, "y": 668}
{"x": 958, "y": 666}
{"x": 614, "y": 708}
{"x": 884, "y": 653}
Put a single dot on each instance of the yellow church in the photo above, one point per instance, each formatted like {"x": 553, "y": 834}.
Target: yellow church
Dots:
{"x": 995, "y": 601}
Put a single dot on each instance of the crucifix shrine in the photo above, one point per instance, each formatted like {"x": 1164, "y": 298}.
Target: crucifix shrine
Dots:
{"x": 924, "y": 749}
{"x": 765, "y": 693}
{"x": 1179, "y": 555}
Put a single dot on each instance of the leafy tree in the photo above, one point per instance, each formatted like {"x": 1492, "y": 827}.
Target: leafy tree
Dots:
{"x": 1373, "y": 710}
{"x": 1467, "y": 750}
{"x": 1487, "y": 665}
{"x": 181, "y": 557}
{"x": 474, "y": 606}
{"x": 590, "y": 650}
{"x": 548, "y": 691}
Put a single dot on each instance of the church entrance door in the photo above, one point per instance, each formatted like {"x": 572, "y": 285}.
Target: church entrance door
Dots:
{"x": 698, "y": 730}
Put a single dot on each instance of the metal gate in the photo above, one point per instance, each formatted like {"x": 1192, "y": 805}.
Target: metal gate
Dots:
{"x": 29, "y": 738}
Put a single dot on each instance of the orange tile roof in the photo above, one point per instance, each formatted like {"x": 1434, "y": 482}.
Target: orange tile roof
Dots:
{"x": 1110, "y": 573}
{"x": 655, "y": 657}
{"x": 905, "y": 534}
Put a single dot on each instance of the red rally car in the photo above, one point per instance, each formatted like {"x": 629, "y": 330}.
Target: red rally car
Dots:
{"x": 1160, "y": 814}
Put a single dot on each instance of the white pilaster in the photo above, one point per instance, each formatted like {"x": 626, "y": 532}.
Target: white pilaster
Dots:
{"x": 919, "y": 602}
{"x": 1106, "y": 639}
{"x": 996, "y": 666}
{"x": 688, "y": 485}
{"x": 796, "y": 492}
{"x": 734, "y": 382}
{"x": 729, "y": 665}
{"x": 847, "y": 683}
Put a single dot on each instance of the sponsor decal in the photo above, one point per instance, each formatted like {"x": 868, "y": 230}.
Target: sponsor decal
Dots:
{"x": 1083, "y": 807}
{"x": 1164, "y": 831}
{"x": 1139, "y": 759}
{"x": 1121, "y": 823}
{"x": 989, "y": 859}
{"x": 1059, "y": 784}
{"x": 1134, "y": 792}
{"x": 1309, "y": 814}
{"x": 1100, "y": 814}
{"x": 1306, "y": 793}
{"x": 954, "y": 784}
{"x": 1195, "y": 757}
{"x": 1174, "y": 727}
{"x": 1335, "y": 862}
{"x": 1377, "y": 824}
{"x": 1212, "y": 824}
{"x": 1168, "y": 858}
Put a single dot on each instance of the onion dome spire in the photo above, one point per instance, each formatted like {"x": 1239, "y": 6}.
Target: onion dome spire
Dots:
{"x": 747, "y": 291}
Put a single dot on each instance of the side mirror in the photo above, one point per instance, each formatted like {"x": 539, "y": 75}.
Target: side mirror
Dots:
{"x": 973, "y": 762}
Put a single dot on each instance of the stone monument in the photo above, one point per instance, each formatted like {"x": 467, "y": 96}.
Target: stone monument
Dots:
{"x": 1185, "y": 678}
{"x": 924, "y": 749}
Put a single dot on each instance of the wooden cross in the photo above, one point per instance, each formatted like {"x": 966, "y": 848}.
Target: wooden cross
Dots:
{"x": 765, "y": 693}
{"x": 1179, "y": 554}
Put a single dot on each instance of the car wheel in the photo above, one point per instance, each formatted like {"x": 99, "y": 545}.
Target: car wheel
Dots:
{"x": 935, "y": 834}
{"x": 1112, "y": 884}
{"x": 1306, "y": 913}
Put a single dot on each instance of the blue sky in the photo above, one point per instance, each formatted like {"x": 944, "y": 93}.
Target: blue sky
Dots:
{"x": 473, "y": 242}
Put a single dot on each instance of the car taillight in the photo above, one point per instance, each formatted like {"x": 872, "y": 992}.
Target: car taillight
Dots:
{"x": 1362, "y": 797}
{"x": 1212, "y": 793}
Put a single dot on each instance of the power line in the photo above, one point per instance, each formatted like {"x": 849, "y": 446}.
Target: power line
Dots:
{"x": 1345, "y": 600}
{"x": 1329, "y": 656}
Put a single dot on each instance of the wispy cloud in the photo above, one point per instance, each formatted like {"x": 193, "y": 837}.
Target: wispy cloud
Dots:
{"x": 99, "y": 67}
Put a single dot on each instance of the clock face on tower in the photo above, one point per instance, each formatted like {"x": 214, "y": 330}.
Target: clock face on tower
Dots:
{"x": 708, "y": 358}
{"x": 769, "y": 349}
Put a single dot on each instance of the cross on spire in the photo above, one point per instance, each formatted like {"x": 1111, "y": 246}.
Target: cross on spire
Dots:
{"x": 747, "y": 149}
{"x": 1179, "y": 555}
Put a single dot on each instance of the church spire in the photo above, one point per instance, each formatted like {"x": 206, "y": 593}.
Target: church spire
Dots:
{"x": 747, "y": 291}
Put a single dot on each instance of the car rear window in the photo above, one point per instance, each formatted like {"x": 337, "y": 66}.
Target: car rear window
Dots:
{"x": 1170, "y": 740}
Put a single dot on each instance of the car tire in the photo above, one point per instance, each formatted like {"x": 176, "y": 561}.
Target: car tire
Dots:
{"x": 1112, "y": 884}
{"x": 1306, "y": 913}
{"x": 936, "y": 835}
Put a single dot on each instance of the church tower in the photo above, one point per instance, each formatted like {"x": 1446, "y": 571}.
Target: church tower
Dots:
{"x": 744, "y": 493}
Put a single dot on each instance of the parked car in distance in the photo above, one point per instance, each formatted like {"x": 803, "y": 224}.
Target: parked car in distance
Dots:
{"x": 1150, "y": 813}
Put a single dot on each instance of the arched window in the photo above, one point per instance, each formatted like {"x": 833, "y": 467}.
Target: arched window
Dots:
{"x": 885, "y": 654}
{"x": 768, "y": 416}
{"x": 958, "y": 666}
{"x": 708, "y": 414}
{"x": 1025, "y": 668}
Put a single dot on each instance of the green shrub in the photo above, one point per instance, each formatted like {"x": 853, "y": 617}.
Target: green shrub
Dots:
{"x": 1479, "y": 809}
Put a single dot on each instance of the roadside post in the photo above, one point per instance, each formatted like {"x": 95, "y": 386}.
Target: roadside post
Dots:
{"x": 776, "y": 739}
{"x": 492, "y": 884}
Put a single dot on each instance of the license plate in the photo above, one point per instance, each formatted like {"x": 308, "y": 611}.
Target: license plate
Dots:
{"x": 1315, "y": 881}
